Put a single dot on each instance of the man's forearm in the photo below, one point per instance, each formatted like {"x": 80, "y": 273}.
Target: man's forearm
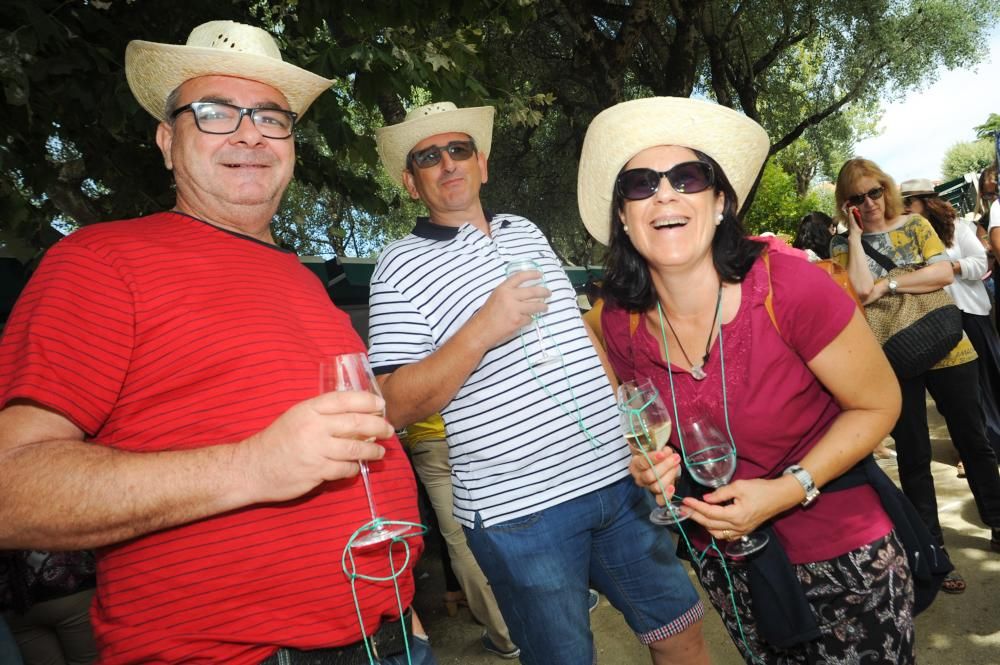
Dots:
{"x": 59, "y": 495}
{"x": 414, "y": 392}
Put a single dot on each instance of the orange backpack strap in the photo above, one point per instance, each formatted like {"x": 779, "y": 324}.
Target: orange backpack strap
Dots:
{"x": 769, "y": 299}
{"x": 836, "y": 272}
{"x": 839, "y": 274}
{"x": 633, "y": 323}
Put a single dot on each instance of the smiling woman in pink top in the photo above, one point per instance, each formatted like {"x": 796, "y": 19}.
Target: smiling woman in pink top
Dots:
{"x": 768, "y": 347}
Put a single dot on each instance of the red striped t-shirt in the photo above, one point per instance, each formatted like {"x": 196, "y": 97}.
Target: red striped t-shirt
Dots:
{"x": 166, "y": 333}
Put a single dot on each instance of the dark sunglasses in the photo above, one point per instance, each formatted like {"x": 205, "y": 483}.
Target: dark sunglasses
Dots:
{"x": 685, "y": 178}
{"x": 428, "y": 157}
{"x": 874, "y": 194}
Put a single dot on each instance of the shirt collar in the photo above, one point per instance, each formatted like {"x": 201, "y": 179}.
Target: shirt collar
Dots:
{"x": 425, "y": 228}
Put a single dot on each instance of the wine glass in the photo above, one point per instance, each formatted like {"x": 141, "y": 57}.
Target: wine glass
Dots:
{"x": 647, "y": 425}
{"x": 351, "y": 371}
{"x": 711, "y": 460}
{"x": 524, "y": 265}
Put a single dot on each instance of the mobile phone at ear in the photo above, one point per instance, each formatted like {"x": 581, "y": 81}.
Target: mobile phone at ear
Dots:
{"x": 857, "y": 218}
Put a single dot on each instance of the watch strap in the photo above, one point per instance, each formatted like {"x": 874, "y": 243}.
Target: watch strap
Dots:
{"x": 805, "y": 479}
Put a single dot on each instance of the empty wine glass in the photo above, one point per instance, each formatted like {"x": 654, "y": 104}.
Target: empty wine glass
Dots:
{"x": 711, "y": 460}
{"x": 523, "y": 265}
{"x": 647, "y": 425}
{"x": 351, "y": 371}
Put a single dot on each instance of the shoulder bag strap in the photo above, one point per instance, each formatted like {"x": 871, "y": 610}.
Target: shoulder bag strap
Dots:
{"x": 878, "y": 256}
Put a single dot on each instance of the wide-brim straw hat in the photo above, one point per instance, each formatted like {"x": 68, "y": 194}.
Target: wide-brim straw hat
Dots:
{"x": 617, "y": 134}
{"x": 221, "y": 48}
{"x": 917, "y": 187}
{"x": 396, "y": 141}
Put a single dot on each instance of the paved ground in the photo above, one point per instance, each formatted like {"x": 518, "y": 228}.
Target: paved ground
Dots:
{"x": 956, "y": 630}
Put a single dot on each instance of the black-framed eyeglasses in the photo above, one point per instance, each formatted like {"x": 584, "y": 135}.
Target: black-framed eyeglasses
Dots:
{"x": 222, "y": 118}
{"x": 428, "y": 157}
{"x": 685, "y": 178}
{"x": 875, "y": 193}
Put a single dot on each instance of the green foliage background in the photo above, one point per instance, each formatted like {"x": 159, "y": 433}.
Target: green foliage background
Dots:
{"x": 967, "y": 157}
{"x": 77, "y": 149}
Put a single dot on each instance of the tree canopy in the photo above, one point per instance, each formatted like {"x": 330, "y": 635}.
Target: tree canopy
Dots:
{"x": 967, "y": 157}
{"x": 78, "y": 149}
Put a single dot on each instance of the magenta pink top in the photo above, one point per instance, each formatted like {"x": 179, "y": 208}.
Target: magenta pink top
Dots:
{"x": 778, "y": 410}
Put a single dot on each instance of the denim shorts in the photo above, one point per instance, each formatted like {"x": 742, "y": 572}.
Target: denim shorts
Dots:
{"x": 541, "y": 565}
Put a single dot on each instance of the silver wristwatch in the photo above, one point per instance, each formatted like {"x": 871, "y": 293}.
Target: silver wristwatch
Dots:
{"x": 806, "y": 480}
{"x": 893, "y": 285}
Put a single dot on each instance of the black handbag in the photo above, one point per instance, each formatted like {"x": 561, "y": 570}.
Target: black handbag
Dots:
{"x": 916, "y": 330}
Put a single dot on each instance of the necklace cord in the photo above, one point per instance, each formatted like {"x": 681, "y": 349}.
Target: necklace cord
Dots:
{"x": 699, "y": 557}
{"x": 711, "y": 330}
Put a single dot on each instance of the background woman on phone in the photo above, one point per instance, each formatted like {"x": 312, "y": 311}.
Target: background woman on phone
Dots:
{"x": 954, "y": 381}
{"x": 805, "y": 396}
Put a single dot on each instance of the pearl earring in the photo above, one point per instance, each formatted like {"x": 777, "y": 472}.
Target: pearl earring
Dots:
{"x": 718, "y": 219}
{"x": 625, "y": 227}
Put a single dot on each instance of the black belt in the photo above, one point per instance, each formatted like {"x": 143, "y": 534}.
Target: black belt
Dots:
{"x": 386, "y": 641}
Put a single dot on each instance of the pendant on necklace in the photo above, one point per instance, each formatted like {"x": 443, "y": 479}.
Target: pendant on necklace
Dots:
{"x": 697, "y": 373}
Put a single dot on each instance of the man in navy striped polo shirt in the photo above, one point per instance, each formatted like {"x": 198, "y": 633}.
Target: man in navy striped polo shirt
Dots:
{"x": 539, "y": 464}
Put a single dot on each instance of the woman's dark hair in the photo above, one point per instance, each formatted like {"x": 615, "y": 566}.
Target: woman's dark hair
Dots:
{"x": 942, "y": 216}
{"x": 627, "y": 282}
{"x": 988, "y": 175}
{"x": 814, "y": 233}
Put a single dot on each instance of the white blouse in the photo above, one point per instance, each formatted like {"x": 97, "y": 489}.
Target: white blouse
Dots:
{"x": 968, "y": 289}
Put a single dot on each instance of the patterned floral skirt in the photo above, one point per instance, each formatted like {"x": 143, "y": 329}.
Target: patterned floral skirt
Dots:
{"x": 862, "y": 602}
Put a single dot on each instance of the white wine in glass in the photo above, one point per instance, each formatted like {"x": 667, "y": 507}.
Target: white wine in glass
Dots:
{"x": 524, "y": 265}
{"x": 711, "y": 460}
{"x": 351, "y": 371}
{"x": 646, "y": 424}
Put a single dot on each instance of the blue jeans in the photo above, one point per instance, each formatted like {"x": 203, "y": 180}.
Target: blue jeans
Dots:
{"x": 420, "y": 654}
{"x": 540, "y": 567}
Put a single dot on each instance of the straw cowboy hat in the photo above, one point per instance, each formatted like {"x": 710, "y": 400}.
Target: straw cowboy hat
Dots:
{"x": 917, "y": 187}
{"x": 223, "y": 48}
{"x": 396, "y": 141}
{"x": 618, "y": 133}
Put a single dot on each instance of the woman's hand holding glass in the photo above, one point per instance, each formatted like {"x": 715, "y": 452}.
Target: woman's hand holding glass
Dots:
{"x": 665, "y": 469}
{"x": 646, "y": 424}
{"x": 735, "y": 509}
{"x": 711, "y": 460}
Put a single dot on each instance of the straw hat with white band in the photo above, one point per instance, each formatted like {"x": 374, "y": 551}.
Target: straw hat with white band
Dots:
{"x": 223, "y": 48}
{"x": 396, "y": 141}
{"x": 916, "y": 187}
{"x": 617, "y": 134}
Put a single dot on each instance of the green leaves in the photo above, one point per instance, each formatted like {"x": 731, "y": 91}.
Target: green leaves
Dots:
{"x": 814, "y": 74}
{"x": 967, "y": 157}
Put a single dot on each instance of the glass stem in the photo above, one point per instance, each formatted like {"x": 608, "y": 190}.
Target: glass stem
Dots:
{"x": 368, "y": 489}
{"x": 541, "y": 338}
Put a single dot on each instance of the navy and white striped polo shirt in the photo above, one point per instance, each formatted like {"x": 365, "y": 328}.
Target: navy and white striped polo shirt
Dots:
{"x": 515, "y": 443}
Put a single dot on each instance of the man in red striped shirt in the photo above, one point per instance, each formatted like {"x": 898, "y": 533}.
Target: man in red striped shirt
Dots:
{"x": 158, "y": 387}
